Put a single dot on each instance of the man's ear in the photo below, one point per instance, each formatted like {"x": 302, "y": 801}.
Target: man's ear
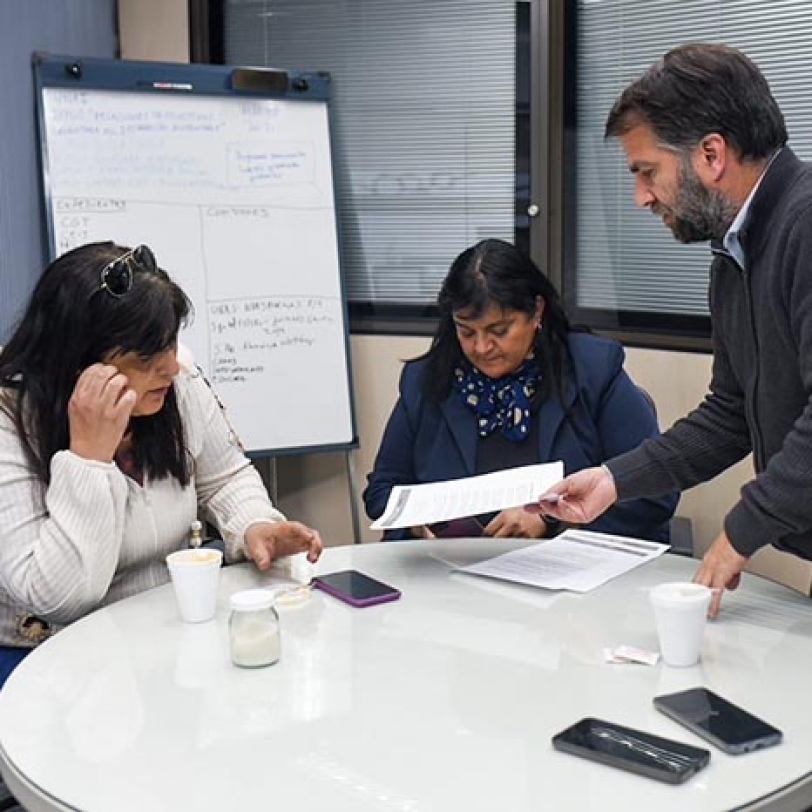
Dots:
{"x": 710, "y": 158}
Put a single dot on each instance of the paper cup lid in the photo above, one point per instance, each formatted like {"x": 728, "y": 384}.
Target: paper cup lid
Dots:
{"x": 194, "y": 555}
{"x": 251, "y": 599}
{"x": 680, "y": 593}
{"x": 289, "y": 597}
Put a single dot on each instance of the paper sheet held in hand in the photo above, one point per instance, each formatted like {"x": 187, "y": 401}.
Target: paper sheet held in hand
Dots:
{"x": 577, "y": 560}
{"x": 415, "y": 505}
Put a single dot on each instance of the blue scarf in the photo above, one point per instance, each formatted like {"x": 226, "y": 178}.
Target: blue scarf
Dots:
{"x": 499, "y": 403}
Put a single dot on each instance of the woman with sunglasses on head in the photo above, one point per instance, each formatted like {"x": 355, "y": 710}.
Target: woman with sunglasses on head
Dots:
{"x": 110, "y": 446}
{"x": 507, "y": 382}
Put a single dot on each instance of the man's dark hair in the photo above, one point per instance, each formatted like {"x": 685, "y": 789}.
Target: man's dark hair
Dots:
{"x": 698, "y": 89}
{"x": 70, "y": 323}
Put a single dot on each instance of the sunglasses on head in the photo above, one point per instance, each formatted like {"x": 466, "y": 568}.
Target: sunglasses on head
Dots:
{"x": 117, "y": 276}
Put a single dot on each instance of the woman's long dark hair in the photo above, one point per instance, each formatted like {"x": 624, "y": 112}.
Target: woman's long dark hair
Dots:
{"x": 494, "y": 272}
{"x": 72, "y": 322}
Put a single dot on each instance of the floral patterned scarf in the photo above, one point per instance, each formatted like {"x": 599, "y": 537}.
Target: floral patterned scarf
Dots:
{"x": 499, "y": 403}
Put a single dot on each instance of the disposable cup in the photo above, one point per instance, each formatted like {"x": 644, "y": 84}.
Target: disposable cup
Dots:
{"x": 195, "y": 576}
{"x": 680, "y": 613}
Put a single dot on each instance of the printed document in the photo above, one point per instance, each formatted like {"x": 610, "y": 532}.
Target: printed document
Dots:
{"x": 577, "y": 560}
{"x": 415, "y": 505}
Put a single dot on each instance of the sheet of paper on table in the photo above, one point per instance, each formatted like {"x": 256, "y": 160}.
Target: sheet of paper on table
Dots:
{"x": 415, "y": 505}
{"x": 577, "y": 560}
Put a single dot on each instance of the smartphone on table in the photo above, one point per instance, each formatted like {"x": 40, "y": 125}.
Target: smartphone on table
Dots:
{"x": 355, "y": 588}
{"x": 464, "y": 527}
{"x": 632, "y": 750}
{"x": 717, "y": 720}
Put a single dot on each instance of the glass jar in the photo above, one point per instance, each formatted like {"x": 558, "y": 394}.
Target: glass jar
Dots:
{"x": 253, "y": 628}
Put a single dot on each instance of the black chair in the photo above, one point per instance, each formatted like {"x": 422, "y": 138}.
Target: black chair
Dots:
{"x": 680, "y": 528}
{"x": 8, "y": 803}
{"x": 682, "y": 536}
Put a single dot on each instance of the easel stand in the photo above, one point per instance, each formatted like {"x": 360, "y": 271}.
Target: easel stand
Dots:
{"x": 267, "y": 470}
{"x": 356, "y": 519}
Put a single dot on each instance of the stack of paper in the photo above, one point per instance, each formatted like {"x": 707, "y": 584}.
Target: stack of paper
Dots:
{"x": 577, "y": 560}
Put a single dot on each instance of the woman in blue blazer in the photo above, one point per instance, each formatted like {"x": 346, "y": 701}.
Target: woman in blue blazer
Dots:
{"x": 508, "y": 382}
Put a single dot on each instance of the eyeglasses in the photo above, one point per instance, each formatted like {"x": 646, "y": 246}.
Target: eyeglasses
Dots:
{"x": 117, "y": 276}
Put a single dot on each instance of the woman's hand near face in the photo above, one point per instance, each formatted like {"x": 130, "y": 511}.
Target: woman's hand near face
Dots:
{"x": 516, "y": 523}
{"x": 99, "y": 412}
{"x": 266, "y": 541}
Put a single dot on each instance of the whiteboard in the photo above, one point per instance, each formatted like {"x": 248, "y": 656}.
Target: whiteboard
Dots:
{"x": 234, "y": 194}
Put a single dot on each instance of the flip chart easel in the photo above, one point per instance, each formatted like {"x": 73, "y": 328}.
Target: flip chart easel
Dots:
{"x": 226, "y": 173}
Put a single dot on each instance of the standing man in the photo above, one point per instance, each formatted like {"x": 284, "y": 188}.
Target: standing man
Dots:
{"x": 706, "y": 143}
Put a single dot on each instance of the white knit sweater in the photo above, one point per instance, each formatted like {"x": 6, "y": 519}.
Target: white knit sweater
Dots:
{"x": 94, "y": 535}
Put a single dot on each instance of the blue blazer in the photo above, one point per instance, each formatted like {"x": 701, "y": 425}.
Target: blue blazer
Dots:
{"x": 603, "y": 414}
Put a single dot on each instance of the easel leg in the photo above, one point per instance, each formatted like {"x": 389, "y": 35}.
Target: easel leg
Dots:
{"x": 266, "y": 466}
{"x": 356, "y": 521}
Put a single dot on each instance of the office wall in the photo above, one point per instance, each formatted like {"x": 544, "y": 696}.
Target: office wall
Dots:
{"x": 82, "y": 27}
{"x": 156, "y": 30}
{"x": 314, "y": 488}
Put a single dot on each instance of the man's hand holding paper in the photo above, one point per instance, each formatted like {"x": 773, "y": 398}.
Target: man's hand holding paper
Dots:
{"x": 578, "y": 499}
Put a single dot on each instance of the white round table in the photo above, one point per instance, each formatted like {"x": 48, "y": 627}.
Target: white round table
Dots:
{"x": 444, "y": 700}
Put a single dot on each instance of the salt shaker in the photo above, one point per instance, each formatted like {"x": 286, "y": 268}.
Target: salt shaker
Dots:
{"x": 253, "y": 629}
{"x": 196, "y": 534}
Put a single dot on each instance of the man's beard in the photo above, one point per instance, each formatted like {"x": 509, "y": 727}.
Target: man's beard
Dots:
{"x": 698, "y": 213}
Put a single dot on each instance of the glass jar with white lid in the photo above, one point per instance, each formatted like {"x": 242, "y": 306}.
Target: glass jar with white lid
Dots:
{"x": 253, "y": 628}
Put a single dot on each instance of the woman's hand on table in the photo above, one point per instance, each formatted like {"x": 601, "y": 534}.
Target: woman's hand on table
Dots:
{"x": 266, "y": 541}
{"x": 516, "y": 523}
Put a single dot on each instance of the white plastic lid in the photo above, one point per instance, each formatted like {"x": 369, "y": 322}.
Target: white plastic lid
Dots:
{"x": 680, "y": 593}
{"x": 289, "y": 597}
{"x": 252, "y": 599}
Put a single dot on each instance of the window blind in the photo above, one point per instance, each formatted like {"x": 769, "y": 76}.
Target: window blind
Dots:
{"x": 625, "y": 258}
{"x": 423, "y": 110}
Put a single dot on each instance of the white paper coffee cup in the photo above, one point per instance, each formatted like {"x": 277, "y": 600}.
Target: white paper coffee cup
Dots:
{"x": 680, "y": 614}
{"x": 195, "y": 577}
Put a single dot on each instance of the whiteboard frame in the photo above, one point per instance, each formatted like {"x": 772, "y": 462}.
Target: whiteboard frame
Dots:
{"x": 72, "y": 72}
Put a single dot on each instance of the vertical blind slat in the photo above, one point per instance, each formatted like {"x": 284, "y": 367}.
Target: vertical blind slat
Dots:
{"x": 626, "y": 258}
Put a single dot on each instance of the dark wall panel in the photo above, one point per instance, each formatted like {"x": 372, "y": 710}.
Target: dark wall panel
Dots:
{"x": 77, "y": 27}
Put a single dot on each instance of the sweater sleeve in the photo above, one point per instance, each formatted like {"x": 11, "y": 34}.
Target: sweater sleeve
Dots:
{"x": 775, "y": 506}
{"x": 230, "y": 492}
{"x": 696, "y": 448}
{"x": 61, "y": 542}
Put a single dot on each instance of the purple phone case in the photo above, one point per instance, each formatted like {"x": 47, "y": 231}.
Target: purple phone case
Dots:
{"x": 393, "y": 595}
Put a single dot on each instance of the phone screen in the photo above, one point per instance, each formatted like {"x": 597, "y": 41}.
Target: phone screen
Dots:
{"x": 726, "y": 725}
{"x": 632, "y": 750}
{"x": 356, "y": 588}
{"x": 466, "y": 527}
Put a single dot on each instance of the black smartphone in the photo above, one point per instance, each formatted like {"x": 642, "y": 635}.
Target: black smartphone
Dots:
{"x": 465, "y": 527}
{"x": 632, "y": 750}
{"x": 722, "y": 723}
{"x": 355, "y": 588}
